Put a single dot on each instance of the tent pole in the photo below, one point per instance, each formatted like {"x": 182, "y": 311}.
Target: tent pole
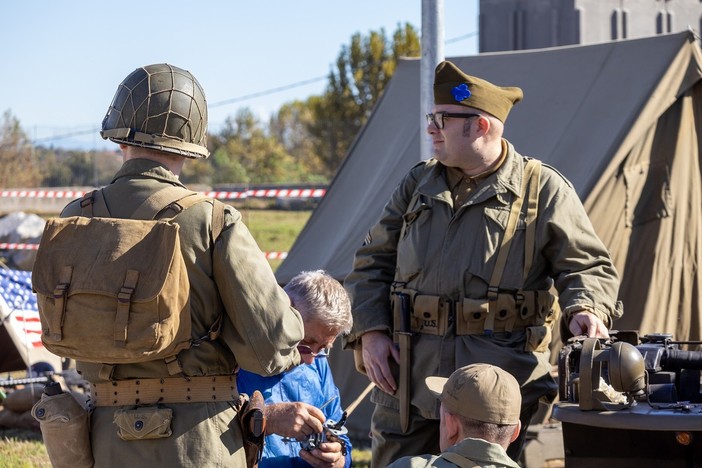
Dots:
{"x": 432, "y": 54}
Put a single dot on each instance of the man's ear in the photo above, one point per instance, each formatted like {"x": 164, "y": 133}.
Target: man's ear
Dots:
{"x": 484, "y": 124}
{"x": 517, "y": 430}
{"x": 453, "y": 428}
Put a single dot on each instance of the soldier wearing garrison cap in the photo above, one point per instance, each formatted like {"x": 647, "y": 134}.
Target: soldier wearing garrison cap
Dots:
{"x": 459, "y": 269}
{"x": 479, "y": 411}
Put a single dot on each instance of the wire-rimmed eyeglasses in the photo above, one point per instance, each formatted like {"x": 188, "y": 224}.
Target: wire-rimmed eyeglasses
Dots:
{"x": 305, "y": 350}
{"x": 437, "y": 118}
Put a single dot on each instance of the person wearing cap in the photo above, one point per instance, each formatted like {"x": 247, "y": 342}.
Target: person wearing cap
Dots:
{"x": 300, "y": 400}
{"x": 240, "y": 316}
{"x": 460, "y": 267}
{"x": 480, "y": 406}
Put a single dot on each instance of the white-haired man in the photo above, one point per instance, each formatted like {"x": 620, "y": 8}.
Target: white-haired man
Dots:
{"x": 299, "y": 401}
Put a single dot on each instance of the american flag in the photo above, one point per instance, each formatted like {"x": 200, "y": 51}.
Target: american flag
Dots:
{"x": 18, "y": 306}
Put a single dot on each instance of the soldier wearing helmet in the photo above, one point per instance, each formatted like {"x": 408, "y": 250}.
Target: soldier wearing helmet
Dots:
{"x": 158, "y": 117}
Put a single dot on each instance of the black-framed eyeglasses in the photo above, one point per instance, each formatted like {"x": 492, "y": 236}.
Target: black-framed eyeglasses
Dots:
{"x": 437, "y": 118}
{"x": 305, "y": 350}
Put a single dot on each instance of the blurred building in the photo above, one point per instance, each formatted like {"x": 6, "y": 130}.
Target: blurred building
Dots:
{"x": 533, "y": 24}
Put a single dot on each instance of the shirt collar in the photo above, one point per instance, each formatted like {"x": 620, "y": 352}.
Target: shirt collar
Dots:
{"x": 482, "y": 451}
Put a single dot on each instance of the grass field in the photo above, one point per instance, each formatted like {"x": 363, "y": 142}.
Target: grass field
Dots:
{"x": 275, "y": 230}
{"x": 22, "y": 449}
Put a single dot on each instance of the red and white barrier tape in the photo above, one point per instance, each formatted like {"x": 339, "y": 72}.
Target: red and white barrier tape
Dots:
{"x": 276, "y": 255}
{"x": 220, "y": 195}
{"x": 41, "y": 193}
{"x": 18, "y": 246}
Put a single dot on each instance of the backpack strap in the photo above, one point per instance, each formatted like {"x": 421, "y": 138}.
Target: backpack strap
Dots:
{"x": 149, "y": 209}
{"x": 190, "y": 199}
{"x": 162, "y": 198}
{"x": 532, "y": 172}
{"x": 217, "y": 219}
{"x": 217, "y": 211}
{"x": 94, "y": 201}
{"x": 458, "y": 460}
{"x": 532, "y": 214}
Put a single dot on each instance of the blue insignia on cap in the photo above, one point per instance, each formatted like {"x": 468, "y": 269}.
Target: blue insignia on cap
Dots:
{"x": 460, "y": 92}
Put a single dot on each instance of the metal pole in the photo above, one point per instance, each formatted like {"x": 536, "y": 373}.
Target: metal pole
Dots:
{"x": 432, "y": 54}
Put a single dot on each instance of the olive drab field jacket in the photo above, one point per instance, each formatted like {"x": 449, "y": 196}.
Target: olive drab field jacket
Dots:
{"x": 445, "y": 254}
{"x": 230, "y": 278}
{"x": 468, "y": 453}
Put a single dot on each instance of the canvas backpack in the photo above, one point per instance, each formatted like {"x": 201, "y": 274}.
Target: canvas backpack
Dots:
{"x": 116, "y": 291}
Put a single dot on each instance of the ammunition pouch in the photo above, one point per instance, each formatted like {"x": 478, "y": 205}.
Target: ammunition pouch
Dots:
{"x": 532, "y": 311}
{"x": 253, "y": 426}
{"x": 144, "y": 423}
{"x": 65, "y": 428}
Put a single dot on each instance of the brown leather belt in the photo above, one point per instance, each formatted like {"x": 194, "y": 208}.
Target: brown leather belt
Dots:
{"x": 165, "y": 390}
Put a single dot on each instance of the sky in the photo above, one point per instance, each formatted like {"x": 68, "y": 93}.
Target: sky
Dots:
{"x": 64, "y": 59}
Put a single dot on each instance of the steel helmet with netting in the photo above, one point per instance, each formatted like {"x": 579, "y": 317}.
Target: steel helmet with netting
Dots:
{"x": 161, "y": 107}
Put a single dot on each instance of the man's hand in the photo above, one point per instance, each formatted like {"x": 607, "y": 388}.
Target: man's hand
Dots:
{"x": 327, "y": 454}
{"x": 585, "y": 323}
{"x": 377, "y": 349}
{"x": 294, "y": 420}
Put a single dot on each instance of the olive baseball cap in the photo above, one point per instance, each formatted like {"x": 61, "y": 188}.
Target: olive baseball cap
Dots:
{"x": 481, "y": 392}
{"x": 452, "y": 86}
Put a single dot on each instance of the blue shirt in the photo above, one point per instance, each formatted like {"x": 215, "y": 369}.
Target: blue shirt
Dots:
{"x": 307, "y": 383}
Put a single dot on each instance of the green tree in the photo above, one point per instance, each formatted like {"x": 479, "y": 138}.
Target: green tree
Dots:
{"x": 19, "y": 166}
{"x": 244, "y": 152}
{"x": 363, "y": 69}
{"x": 197, "y": 171}
{"x": 290, "y": 128}
{"x": 63, "y": 168}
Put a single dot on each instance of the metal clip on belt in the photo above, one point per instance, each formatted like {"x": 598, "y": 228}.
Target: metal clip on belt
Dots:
{"x": 166, "y": 390}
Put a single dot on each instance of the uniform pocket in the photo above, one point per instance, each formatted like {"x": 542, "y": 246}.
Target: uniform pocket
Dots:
{"x": 414, "y": 237}
{"x": 418, "y": 209}
{"x": 489, "y": 234}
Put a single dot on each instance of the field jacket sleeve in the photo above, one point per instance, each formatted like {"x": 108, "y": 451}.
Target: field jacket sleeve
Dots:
{"x": 370, "y": 281}
{"x": 266, "y": 329}
{"x": 580, "y": 264}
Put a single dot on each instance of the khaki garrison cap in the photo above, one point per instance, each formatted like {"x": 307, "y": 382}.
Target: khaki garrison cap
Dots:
{"x": 481, "y": 392}
{"x": 452, "y": 86}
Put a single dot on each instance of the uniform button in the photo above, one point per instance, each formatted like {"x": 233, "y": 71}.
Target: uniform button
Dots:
{"x": 476, "y": 315}
{"x": 40, "y": 412}
{"x": 503, "y": 313}
{"x": 427, "y": 315}
{"x": 139, "y": 425}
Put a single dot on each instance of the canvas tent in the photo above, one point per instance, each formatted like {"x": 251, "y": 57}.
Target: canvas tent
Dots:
{"x": 620, "y": 120}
